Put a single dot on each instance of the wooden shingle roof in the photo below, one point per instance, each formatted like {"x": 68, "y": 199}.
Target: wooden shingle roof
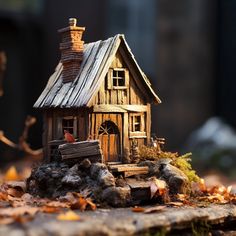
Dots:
{"x": 97, "y": 59}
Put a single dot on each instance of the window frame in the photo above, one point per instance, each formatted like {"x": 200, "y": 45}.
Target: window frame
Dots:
{"x": 74, "y": 127}
{"x": 110, "y": 79}
{"x": 141, "y": 133}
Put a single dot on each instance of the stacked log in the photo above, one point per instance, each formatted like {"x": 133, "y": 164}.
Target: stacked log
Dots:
{"x": 80, "y": 150}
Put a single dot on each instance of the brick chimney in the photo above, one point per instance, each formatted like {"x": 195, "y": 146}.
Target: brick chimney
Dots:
{"x": 71, "y": 47}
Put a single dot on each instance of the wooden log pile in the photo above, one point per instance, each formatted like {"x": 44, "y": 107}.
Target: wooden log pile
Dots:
{"x": 128, "y": 170}
{"x": 80, "y": 150}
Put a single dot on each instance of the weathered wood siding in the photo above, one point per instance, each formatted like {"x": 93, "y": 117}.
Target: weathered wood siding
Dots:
{"x": 53, "y": 126}
{"x": 95, "y": 122}
{"x": 132, "y": 95}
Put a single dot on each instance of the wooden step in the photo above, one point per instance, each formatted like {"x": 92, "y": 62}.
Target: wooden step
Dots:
{"x": 128, "y": 170}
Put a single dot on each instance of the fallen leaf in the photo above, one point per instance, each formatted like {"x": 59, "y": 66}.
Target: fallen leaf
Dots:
{"x": 3, "y": 196}
{"x": 19, "y": 185}
{"x": 6, "y": 220}
{"x": 91, "y": 204}
{"x": 50, "y": 209}
{"x": 15, "y": 193}
{"x": 158, "y": 187}
{"x": 23, "y": 218}
{"x": 69, "y": 215}
{"x": 81, "y": 204}
{"x": 12, "y": 174}
{"x": 177, "y": 204}
{"x": 154, "y": 209}
{"x": 19, "y": 211}
{"x": 57, "y": 204}
{"x": 138, "y": 209}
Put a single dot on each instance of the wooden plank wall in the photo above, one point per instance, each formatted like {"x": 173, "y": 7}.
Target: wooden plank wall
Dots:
{"x": 81, "y": 119}
{"x": 132, "y": 95}
{"x": 96, "y": 119}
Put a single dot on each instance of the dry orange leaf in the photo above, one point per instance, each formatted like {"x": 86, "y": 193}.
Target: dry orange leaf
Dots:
{"x": 57, "y": 204}
{"x": 69, "y": 215}
{"x": 158, "y": 187}
{"x": 6, "y": 220}
{"x": 81, "y": 204}
{"x": 154, "y": 209}
{"x": 177, "y": 204}
{"x": 50, "y": 209}
{"x": 3, "y": 196}
{"x": 138, "y": 209}
{"x": 12, "y": 174}
{"x": 19, "y": 211}
{"x": 91, "y": 204}
{"x": 14, "y": 193}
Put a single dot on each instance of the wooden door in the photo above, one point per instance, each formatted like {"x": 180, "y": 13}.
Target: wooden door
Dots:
{"x": 109, "y": 137}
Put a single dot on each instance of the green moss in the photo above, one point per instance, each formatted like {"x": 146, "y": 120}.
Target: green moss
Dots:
{"x": 182, "y": 162}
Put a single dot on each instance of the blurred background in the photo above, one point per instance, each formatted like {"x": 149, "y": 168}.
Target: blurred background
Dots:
{"x": 187, "y": 49}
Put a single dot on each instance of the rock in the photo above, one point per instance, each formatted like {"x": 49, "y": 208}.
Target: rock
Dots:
{"x": 95, "y": 168}
{"x": 85, "y": 164}
{"x": 72, "y": 180}
{"x": 117, "y": 196}
{"x": 175, "y": 178}
{"x": 105, "y": 178}
{"x": 102, "y": 175}
{"x": 214, "y": 145}
{"x": 153, "y": 170}
{"x": 72, "y": 177}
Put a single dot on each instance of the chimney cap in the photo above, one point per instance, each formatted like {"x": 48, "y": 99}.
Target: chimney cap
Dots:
{"x": 72, "y": 26}
{"x": 72, "y": 22}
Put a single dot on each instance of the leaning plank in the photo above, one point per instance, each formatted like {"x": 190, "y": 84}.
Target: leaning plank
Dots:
{"x": 132, "y": 173}
{"x": 133, "y": 183}
{"x": 131, "y": 168}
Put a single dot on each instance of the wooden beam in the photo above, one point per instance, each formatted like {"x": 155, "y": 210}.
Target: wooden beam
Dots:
{"x": 132, "y": 173}
{"x": 119, "y": 108}
{"x": 148, "y": 123}
{"x": 125, "y": 132}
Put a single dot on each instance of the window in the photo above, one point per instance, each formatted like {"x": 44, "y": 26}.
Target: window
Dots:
{"x": 68, "y": 123}
{"x": 118, "y": 78}
{"x": 137, "y": 125}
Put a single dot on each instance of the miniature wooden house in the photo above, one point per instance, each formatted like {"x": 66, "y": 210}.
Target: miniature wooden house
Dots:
{"x": 97, "y": 91}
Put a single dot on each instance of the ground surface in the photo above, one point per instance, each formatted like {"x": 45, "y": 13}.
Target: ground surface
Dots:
{"x": 123, "y": 221}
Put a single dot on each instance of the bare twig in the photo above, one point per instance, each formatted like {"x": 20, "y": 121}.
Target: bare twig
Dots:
{"x": 6, "y": 140}
{"x": 3, "y": 61}
{"x": 23, "y": 145}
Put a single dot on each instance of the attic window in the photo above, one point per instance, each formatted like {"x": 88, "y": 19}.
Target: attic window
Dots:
{"x": 118, "y": 78}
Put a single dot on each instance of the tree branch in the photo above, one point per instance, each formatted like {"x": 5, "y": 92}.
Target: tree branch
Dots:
{"x": 23, "y": 145}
